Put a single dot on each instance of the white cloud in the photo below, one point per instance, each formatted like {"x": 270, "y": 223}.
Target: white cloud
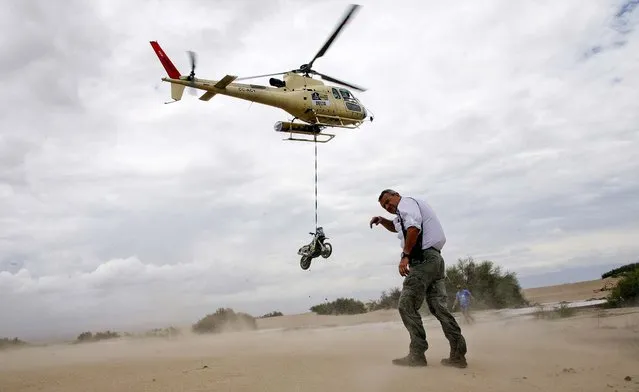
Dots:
{"x": 518, "y": 122}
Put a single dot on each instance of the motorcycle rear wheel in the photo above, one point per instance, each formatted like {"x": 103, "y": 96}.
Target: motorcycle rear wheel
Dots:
{"x": 328, "y": 250}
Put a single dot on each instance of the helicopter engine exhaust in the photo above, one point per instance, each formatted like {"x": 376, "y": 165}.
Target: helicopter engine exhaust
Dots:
{"x": 285, "y": 126}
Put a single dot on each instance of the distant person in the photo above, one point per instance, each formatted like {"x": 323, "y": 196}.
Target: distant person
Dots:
{"x": 422, "y": 265}
{"x": 463, "y": 297}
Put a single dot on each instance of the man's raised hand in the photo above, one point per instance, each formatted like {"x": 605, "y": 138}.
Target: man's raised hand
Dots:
{"x": 376, "y": 220}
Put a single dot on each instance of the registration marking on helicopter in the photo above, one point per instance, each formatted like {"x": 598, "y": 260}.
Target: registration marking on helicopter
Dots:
{"x": 320, "y": 99}
{"x": 246, "y": 90}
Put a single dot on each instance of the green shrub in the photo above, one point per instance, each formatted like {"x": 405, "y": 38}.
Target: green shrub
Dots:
{"x": 626, "y": 291}
{"x": 6, "y": 343}
{"x": 225, "y": 319}
{"x": 272, "y": 314}
{"x": 620, "y": 271}
{"x": 169, "y": 332}
{"x": 563, "y": 310}
{"x": 556, "y": 312}
{"x": 86, "y": 337}
{"x": 491, "y": 287}
{"x": 340, "y": 306}
{"x": 388, "y": 300}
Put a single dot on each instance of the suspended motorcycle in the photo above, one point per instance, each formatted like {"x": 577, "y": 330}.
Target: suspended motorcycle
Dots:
{"x": 316, "y": 248}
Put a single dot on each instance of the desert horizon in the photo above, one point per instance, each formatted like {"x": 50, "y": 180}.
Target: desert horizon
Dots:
{"x": 550, "y": 294}
{"x": 592, "y": 349}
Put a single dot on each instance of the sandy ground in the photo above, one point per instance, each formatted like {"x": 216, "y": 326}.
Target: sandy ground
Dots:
{"x": 583, "y": 353}
{"x": 591, "y": 351}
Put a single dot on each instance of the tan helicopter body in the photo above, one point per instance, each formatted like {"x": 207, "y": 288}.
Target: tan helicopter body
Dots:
{"x": 306, "y": 99}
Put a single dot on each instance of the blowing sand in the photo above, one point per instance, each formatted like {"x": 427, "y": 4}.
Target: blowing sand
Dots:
{"x": 590, "y": 351}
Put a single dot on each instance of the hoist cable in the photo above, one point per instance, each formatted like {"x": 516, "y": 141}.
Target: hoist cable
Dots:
{"x": 315, "y": 142}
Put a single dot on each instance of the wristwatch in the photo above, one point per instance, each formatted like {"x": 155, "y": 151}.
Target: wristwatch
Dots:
{"x": 405, "y": 255}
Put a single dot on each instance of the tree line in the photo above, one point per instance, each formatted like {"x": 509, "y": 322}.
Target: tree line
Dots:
{"x": 492, "y": 288}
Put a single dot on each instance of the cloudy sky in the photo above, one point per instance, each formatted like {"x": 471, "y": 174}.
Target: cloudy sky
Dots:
{"x": 517, "y": 121}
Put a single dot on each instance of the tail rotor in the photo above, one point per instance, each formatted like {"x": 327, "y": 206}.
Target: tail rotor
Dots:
{"x": 193, "y": 59}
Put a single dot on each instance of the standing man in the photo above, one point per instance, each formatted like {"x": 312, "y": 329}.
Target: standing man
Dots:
{"x": 423, "y": 267}
{"x": 462, "y": 298}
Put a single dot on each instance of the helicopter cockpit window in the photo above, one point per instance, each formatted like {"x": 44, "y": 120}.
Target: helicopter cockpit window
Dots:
{"x": 347, "y": 95}
{"x": 336, "y": 94}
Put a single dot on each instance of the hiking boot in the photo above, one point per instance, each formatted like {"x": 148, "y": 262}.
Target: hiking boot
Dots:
{"x": 459, "y": 362}
{"x": 411, "y": 360}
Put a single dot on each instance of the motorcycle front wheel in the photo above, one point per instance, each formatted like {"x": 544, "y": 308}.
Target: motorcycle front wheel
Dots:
{"x": 305, "y": 262}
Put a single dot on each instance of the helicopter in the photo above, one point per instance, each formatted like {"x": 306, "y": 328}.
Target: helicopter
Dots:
{"x": 317, "y": 106}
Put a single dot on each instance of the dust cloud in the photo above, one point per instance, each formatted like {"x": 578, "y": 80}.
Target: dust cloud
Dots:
{"x": 591, "y": 350}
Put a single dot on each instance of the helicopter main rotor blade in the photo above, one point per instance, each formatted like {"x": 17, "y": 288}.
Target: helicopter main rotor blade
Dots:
{"x": 332, "y": 79}
{"x": 261, "y": 76}
{"x": 338, "y": 29}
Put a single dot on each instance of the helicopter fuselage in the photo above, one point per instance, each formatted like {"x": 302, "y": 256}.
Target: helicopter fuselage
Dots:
{"x": 304, "y": 98}
{"x": 309, "y": 100}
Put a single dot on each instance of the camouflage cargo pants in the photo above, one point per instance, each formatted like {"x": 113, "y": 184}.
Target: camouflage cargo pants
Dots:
{"x": 426, "y": 281}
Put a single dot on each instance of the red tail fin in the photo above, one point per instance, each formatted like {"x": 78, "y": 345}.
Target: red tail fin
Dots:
{"x": 166, "y": 62}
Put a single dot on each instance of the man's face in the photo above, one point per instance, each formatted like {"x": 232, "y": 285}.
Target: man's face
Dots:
{"x": 389, "y": 203}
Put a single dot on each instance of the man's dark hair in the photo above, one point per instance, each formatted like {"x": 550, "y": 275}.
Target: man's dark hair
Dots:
{"x": 385, "y": 191}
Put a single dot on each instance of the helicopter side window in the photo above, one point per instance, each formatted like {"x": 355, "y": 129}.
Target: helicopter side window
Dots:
{"x": 336, "y": 94}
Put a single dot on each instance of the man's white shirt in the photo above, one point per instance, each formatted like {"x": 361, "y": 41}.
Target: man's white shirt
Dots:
{"x": 414, "y": 215}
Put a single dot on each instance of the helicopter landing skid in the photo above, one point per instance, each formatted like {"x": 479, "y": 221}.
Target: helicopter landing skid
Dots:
{"x": 335, "y": 121}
